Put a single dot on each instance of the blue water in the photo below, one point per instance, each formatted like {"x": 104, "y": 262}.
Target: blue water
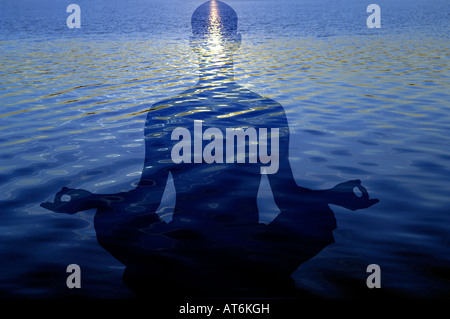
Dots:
{"x": 368, "y": 104}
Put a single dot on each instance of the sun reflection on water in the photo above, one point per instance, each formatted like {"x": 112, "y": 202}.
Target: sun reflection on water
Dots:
{"x": 215, "y": 38}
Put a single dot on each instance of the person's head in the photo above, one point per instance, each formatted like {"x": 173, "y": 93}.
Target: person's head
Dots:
{"x": 214, "y": 29}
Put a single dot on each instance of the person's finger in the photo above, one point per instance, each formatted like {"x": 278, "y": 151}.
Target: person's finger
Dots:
{"x": 47, "y": 205}
{"x": 346, "y": 187}
{"x": 58, "y": 197}
{"x": 364, "y": 193}
{"x": 63, "y": 191}
{"x": 371, "y": 202}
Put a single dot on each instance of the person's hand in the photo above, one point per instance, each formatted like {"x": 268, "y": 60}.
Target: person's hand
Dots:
{"x": 343, "y": 195}
{"x": 77, "y": 200}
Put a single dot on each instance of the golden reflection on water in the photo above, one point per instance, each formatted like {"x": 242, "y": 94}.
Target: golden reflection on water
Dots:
{"x": 304, "y": 75}
{"x": 215, "y": 41}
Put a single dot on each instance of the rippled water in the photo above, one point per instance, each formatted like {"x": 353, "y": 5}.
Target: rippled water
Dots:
{"x": 361, "y": 103}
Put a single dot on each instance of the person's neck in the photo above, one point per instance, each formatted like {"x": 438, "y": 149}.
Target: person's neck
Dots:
{"x": 216, "y": 71}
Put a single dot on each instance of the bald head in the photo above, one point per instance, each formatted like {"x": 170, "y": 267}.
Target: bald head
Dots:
{"x": 214, "y": 17}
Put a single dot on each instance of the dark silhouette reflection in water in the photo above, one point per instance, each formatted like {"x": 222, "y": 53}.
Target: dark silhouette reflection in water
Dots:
{"x": 214, "y": 245}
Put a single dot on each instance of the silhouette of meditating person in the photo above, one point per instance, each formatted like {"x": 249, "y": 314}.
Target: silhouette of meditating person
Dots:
{"x": 215, "y": 140}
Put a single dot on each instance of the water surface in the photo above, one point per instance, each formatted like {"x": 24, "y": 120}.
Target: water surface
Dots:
{"x": 361, "y": 103}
